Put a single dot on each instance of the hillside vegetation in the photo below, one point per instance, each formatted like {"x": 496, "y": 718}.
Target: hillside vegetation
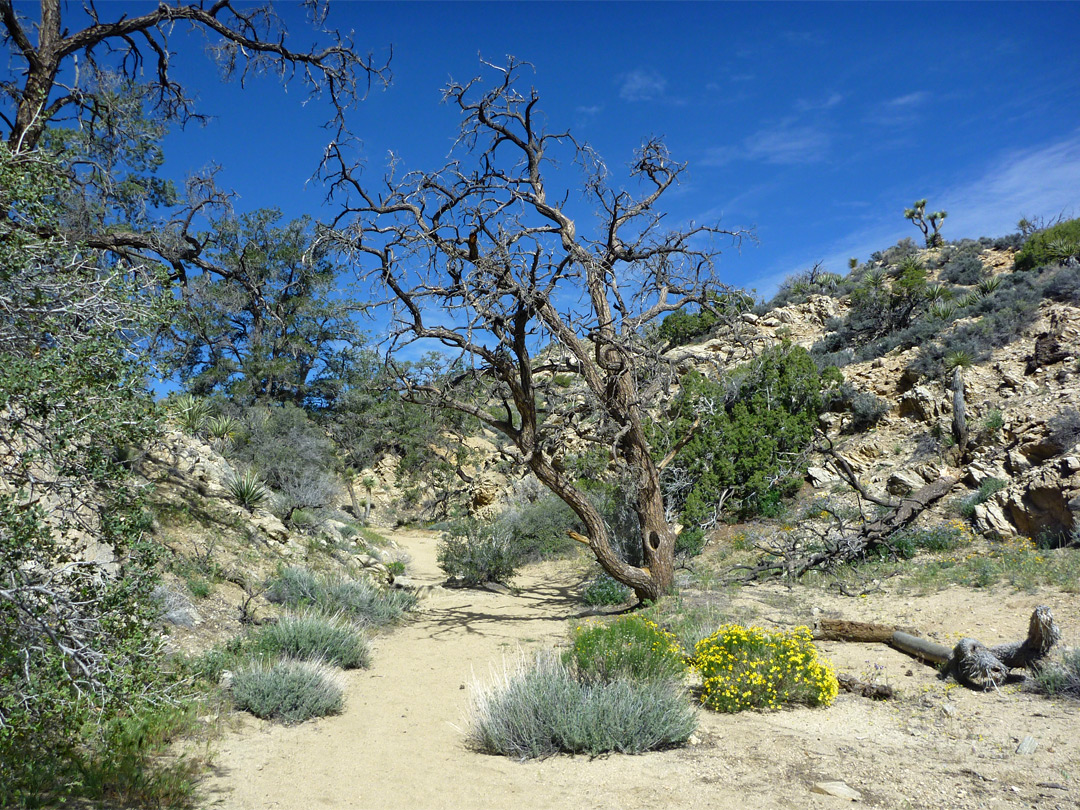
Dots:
{"x": 165, "y": 560}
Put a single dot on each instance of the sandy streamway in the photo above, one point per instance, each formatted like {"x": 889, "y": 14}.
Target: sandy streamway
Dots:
{"x": 398, "y": 743}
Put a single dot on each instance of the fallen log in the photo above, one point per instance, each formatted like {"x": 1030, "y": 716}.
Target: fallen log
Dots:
{"x": 972, "y": 663}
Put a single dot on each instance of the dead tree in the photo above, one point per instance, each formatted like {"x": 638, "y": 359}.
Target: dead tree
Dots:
{"x": 542, "y": 321}
{"x": 846, "y": 539}
{"x": 972, "y": 663}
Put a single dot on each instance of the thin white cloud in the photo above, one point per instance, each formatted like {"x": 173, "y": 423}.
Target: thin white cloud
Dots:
{"x": 784, "y": 145}
{"x": 909, "y": 100}
{"x": 811, "y": 105}
{"x": 899, "y": 111}
{"x": 1044, "y": 181}
{"x": 591, "y": 109}
{"x": 788, "y": 145}
{"x": 642, "y": 85}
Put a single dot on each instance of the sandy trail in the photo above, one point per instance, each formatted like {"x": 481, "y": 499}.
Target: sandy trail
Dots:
{"x": 397, "y": 745}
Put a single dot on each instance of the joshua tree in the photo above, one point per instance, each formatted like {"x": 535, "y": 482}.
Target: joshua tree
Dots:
{"x": 930, "y": 225}
{"x": 484, "y": 258}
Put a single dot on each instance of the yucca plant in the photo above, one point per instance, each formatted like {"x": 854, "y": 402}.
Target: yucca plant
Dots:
{"x": 988, "y": 285}
{"x": 222, "y": 428}
{"x": 1062, "y": 250}
{"x": 191, "y": 413}
{"x": 875, "y": 279}
{"x": 248, "y": 490}
{"x": 970, "y": 300}
{"x": 937, "y": 292}
{"x": 942, "y": 311}
{"x": 958, "y": 359}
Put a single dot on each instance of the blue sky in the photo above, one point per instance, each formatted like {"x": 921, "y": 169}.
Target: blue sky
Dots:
{"x": 817, "y": 124}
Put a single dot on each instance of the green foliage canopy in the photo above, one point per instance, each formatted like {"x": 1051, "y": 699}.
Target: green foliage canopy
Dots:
{"x": 754, "y": 428}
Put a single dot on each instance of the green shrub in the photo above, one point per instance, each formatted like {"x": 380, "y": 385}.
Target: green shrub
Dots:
{"x": 602, "y": 590}
{"x": 986, "y": 490}
{"x": 965, "y": 267}
{"x": 131, "y": 766}
{"x": 540, "y": 709}
{"x": 191, "y": 413}
{"x": 1042, "y": 247}
{"x": 630, "y": 647}
{"x": 293, "y": 454}
{"x": 906, "y": 543}
{"x": 867, "y": 410}
{"x": 290, "y": 691}
{"x": 475, "y": 556}
{"x": 747, "y": 450}
{"x": 537, "y": 529}
{"x": 313, "y": 637}
{"x": 294, "y": 587}
{"x": 751, "y": 668}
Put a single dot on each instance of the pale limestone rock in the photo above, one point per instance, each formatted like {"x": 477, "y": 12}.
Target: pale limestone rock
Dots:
{"x": 841, "y": 790}
{"x": 820, "y": 477}
{"x": 904, "y": 482}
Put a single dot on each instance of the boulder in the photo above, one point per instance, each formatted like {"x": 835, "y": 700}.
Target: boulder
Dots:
{"x": 904, "y": 482}
{"x": 920, "y": 404}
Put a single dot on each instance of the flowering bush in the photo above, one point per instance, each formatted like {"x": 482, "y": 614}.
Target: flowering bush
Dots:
{"x": 629, "y": 647}
{"x": 751, "y": 668}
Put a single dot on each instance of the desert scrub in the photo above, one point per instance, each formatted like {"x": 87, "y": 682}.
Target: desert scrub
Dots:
{"x": 290, "y": 691}
{"x": 630, "y": 647}
{"x": 357, "y": 599}
{"x": 364, "y": 602}
{"x": 603, "y": 590}
{"x": 313, "y": 636}
{"x": 751, "y": 668}
{"x": 1059, "y": 678}
{"x": 475, "y": 556}
{"x": 1017, "y": 562}
{"x": 539, "y": 708}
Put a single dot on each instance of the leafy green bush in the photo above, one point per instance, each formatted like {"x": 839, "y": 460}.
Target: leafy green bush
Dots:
{"x": 537, "y": 529}
{"x": 313, "y": 637}
{"x": 290, "y": 691}
{"x": 630, "y": 647}
{"x": 751, "y": 668}
{"x": 680, "y": 328}
{"x": 473, "y": 555}
{"x": 1042, "y": 247}
{"x": 540, "y": 709}
{"x": 747, "y": 450}
{"x": 602, "y": 590}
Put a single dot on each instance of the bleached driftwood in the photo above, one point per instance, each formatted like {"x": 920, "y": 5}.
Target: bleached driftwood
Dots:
{"x": 972, "y": 663}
